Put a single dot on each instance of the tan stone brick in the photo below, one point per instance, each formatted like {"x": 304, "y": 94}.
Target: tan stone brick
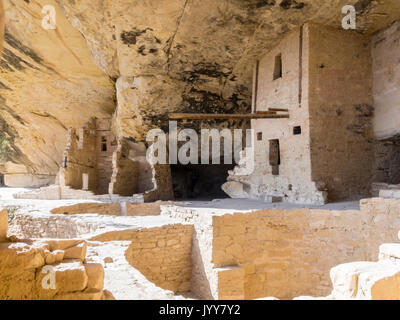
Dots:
{"x": 3, "y": 225}
{"x": 76, "y": 252}
{"x": 95, "y": 273}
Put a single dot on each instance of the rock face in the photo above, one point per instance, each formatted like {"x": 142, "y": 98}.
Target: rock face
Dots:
{"x": 49, "y": 82}
{"x": 177, "y": 55}
{"x": 185, "y": 55}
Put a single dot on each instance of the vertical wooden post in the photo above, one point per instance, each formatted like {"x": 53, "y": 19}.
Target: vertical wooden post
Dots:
{"x": 255, "y": 86}
{"x": 301, "y": 66}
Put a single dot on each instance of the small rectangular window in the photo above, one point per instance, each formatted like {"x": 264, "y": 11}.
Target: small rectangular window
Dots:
{"x": 259, "y": 136}
{"x": 103, "y": 144}
{"x": 297, "y": 130}
{"x": 278, "y": 67}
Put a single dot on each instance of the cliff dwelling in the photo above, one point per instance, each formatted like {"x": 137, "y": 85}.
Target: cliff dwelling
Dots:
{"x": 200, "y": 150}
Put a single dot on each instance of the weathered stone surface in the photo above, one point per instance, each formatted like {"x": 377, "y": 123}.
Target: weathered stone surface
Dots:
{"x": 3, "y": 225}
{"x": 70, "y": 276}
{"x": 283, "y": 251}
{"x": 76, "y": 252}
{"x": 54, "y": 256}
{"x": 18, "y": 286}
{"x": 231, "y": 283}
{"x": 99, "y": 208}
{"x": 234, "y": 189}
{"x": 163, "y": 255}
{"x": 95, "y": 273}
{"x": 145, "y": 209}
{"x": 345, "y": 278}
{"x": 17, "y": 257}
{"x": 68, "y": 88}
{"x": 2, "y": 22}
{"x": 62, "y": 244}
{"x": 366, "y": 281}
{"x": 88, "y": 294}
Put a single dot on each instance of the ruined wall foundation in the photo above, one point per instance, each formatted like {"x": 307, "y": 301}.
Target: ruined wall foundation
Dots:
{"x": 283, "y": 253}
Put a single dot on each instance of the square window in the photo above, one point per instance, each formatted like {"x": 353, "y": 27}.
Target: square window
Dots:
{"x": 297, "y": 130}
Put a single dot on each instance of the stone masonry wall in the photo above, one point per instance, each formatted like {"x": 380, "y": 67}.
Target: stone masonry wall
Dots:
{"x": 292, "y": 180}
{"x": 162, "y": 255}
{"x": 287, "y": 253}
{"x": 327, "y": 144}
{"x": 104, "y": 139}
{"x": 89, "y": 151}
{"x": 24, "y": 266}
{"x": 341, "y": 111}
{"x": 80, "y": 156}
{"x": 47, "y": 270}
{"x": 204, "y": 276}
{"x": 57, "y": 226}
{"x": 387, "y": 161}
{"x": 386, "y": 81}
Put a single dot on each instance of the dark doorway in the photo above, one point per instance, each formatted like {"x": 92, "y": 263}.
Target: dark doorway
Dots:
{"x": 387, "y": 158}
{"x": 274, "y": 156}
{"x": 200, "y": 182}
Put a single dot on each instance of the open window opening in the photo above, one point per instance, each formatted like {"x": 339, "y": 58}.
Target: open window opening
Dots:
{"x": 104, "y": 144}
{"x": 297, "y": 130}
{"x": 278, "y": 67}
{"x": 274, "y": 156}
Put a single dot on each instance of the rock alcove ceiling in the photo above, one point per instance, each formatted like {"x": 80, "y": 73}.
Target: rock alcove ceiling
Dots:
{"x": 138, "y": 61}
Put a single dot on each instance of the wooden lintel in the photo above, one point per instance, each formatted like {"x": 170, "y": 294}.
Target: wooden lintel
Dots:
{"x": 278, "y": 109}
{"x": 215, "y": 116}
{"x": 266, "y": 112}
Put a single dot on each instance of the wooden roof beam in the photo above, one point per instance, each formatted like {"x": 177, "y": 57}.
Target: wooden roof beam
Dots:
{"x": 215, "y": 116}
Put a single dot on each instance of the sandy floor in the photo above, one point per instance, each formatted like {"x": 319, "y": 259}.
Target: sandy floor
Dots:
{"x": 121, "y": 279}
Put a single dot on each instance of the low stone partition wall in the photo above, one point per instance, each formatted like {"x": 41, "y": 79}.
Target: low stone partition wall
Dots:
{"x": 48, "y": 270}
{"x": 160, "y": 249}
{"x": 113, "y": 209}
{"x": 283, "y": 253}
{"x": 287, "y": 253}
{"x": 80, "y": 220}
{"x": 58, "y": 192}
{"x": 204, "y": 282}
{"x": 130, "y": 209}
{"x": 28, "y": 226}
{"x": 162, "y": 254}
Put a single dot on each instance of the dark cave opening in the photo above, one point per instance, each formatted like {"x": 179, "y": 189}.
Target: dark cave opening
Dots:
{"x": 200, "y": 182}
